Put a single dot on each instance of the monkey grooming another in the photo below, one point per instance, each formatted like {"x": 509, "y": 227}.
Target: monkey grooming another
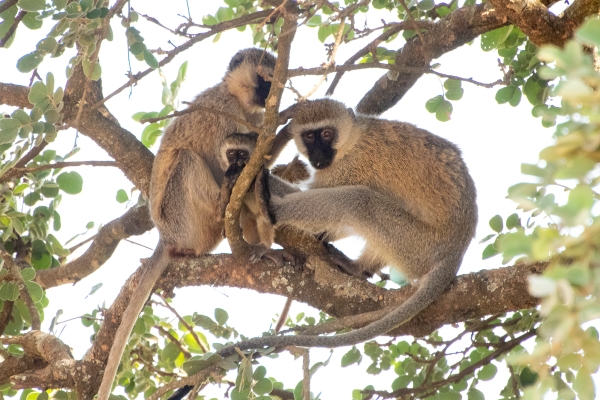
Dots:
{"x": 187, "y": 177}
{"x": 407, "y": 192}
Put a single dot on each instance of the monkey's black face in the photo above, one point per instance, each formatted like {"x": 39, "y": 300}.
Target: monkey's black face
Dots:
{"x": 262, "y": 91}
{"x": 319, "y": 145}
{"x": 238, "y": 157}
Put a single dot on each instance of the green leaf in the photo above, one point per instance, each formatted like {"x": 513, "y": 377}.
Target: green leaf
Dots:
{"x": 401, "y": 382}
{"x": 209, "y": 20}
{"x": 30, "y": 61}
{"x": 37, "y": 93}
{"x": 505, "y": 94}
{"x": 70, "y": 182}
{"x": 32, "y": 5}
{"x": 21, "y": 116}
{"x": 496, "y": 223}
{"x": 122, "y": 196}
{"x": 493, "y": 39}
{"x": 94, "y": 289}
{"x": 444, "y": 111}
{"x": 589, "y": 32}
{"x": 170, "y": 352}
{"x": 450, "y": 395}
{"x": 425, "y": 5}
{"x": 224, "y": 14}
{"x": 487, "y": 372}
{"x": 150, "y": 59}
{"x": 35, "y": 291}
{"x": 30, "y": 21}
{"x": 516, "y": 98}
{"x": 433, "y": 103}
{"x": 221, "y": 316}
{"x": 263, "y": 386}
{"x": 28, "y": 274}
{"x": 9, "y": 291}
{"x": 8, "y": 135}
{"x": 10, "y": 123}
{"x": 137, "y": 48}
{"x": 236, "y": 394}
{"x": 513, "y": 221}
{"x": 314, "y": 21}
{"x": 489, "y": 252}
{"x": 351, "y": 357}
{"x": 455, "y": 94}
{"x": 528, "y": 377}
{"x": 584, "y": 385}
{"x": 578, "y": 276}
{"x": 259, "y": 373}
{"x": 475, "y": 394}
{"x": 204, "y": 322}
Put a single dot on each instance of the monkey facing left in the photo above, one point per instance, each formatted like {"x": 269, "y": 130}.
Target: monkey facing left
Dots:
{"x": 187, "y": 176}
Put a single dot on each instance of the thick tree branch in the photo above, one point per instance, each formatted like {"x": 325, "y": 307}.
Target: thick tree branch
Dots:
{"x": 539, "y": 24}
{"x": 134, "y": 222}
{"x": 131, "y": 156}
{"x": 457, "y": 28}
{"x": 14, "y": 95}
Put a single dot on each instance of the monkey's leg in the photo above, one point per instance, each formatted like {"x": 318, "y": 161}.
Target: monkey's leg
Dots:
{"x": 191, "y": 216}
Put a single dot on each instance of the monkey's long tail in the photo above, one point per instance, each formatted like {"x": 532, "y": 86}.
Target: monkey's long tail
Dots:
{"x": 430, "y": 288}
{"x": 153, "y": 269}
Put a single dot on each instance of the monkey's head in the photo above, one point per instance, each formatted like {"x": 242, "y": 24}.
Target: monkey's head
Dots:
{"x": 248, "y": 77}
{"x": 237, "y": 149}
{"x": 322, "y": 130}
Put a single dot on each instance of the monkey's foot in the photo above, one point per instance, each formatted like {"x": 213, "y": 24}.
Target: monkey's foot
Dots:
{"x": 279, "y": 257}
{"x": 344, "y": 263}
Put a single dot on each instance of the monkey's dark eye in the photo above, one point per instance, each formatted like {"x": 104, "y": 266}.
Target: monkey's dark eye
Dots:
{"x": 327, "y": 135}
{"x": 243, "y": 154}
{"x": 231, "y": 152}
{"x": 309, "y": 136}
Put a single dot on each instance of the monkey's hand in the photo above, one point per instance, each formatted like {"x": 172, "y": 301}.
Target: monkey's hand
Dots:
{"x": 344, "y": 263}
{"x": 233, "y": 173}
{"x": 262, "y": 195}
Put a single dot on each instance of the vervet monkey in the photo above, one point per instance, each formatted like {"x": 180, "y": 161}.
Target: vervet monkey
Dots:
{"x": 407, "y": 192}
{"x": 187, "y": 176}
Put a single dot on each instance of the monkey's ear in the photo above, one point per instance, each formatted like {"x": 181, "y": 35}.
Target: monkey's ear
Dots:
{"x": 236, "y": 61}
{"x": 351, "y": 113}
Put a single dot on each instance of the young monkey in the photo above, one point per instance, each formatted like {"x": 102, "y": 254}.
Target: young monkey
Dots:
{"x": 186, "y": 180}
{"x": 407, "y": 192}
{"x": 255, "y": 221}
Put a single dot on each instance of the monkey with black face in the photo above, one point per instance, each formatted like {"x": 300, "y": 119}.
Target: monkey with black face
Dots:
{"x": 187, "y": 176}
{"x": 404, "y": 190}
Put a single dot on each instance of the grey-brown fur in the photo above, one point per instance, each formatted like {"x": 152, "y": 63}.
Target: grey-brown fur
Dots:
{"x": 404, "y": 190}
{"x": 186, "y": 180}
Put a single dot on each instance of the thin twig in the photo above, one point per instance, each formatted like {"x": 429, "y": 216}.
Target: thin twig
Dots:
{"x": 15, "y": 273}
{"x": 196, "y": 107}
{"x": 18, "y": 172}
{"x": 391, "y": 67}
{"x": 331, "y": 62}
{"x": 305, "y": 375}
{"x": 223, "y": 26}
{"x": 174, "y": 340}
{"x": 13, "y": 27}
{"x": 7, "y": 5}
{"x": 72, "y": 249}
{"x": 417, "y": 29}
{"x": 184, "y": 323}
{"x": 393, "y": 29}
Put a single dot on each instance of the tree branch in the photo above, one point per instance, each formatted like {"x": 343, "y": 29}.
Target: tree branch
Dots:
{"x": 19, "y": 172}
{"x": 134, "y": 222}
{"x": 457, "y": 28}
{"x": 14, "y": 95}
{"x": 539, "y": 24}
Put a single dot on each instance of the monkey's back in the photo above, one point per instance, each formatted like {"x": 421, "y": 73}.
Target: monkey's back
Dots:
{"x": 423, "y": 171}
{"x": 202, "y": 133}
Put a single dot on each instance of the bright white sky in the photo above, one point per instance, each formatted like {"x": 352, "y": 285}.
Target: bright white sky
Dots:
{"x": 494, "y": 139}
